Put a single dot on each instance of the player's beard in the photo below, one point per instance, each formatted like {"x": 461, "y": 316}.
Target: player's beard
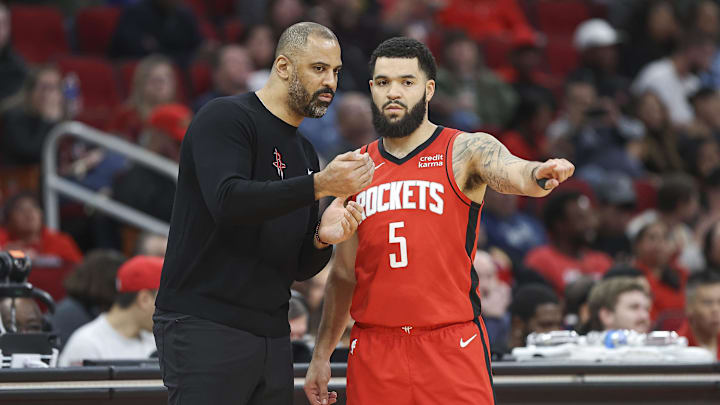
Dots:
{"x": 405, "y": 125}
{"x": 305, "y": 104}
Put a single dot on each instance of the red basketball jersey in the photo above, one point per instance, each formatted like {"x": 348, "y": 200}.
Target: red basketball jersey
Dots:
{"x": 417, "y": 240}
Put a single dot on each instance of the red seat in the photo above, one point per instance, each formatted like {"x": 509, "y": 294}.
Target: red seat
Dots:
{"x": 201, "y": 78}
{"x": 233, "y": 30}
{"x": 497, "y": 53}
{"x": 127, "y": 70}
{"x": 94, "y": 28}
{"x": 646, "y": 195}
{"x": 98, "y": 87}
{"x": 561, "y": 56}
{"x": 38, "y": 33}
{"x": 561, "y": 16}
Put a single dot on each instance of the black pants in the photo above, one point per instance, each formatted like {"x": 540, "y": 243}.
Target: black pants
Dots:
{"x": 203, "y": 362}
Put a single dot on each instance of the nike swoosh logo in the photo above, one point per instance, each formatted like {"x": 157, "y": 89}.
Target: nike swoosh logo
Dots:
{"x": 467, "y": 342}
{"x": 376, "y": 166}
{"x": 310, "y": 171}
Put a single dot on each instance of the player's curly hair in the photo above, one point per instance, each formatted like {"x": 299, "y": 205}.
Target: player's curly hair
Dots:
{"x": 406, "y": 48}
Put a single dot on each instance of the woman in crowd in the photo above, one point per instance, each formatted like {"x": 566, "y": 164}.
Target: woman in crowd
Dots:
{"x": 154, "y": 83}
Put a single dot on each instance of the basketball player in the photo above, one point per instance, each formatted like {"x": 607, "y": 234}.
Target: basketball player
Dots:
{"x": 406, "y": 276}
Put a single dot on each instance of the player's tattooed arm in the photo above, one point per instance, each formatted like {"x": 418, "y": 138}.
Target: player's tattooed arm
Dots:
{"x": 479, "y": 159}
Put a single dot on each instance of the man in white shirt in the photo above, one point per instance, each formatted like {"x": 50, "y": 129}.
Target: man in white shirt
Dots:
{"x": 674, "y": 79}
{"x": 125, "y": 331}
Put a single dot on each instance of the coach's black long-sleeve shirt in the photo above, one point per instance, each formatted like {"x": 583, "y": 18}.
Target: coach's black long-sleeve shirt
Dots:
{"x": 243, "y": 220}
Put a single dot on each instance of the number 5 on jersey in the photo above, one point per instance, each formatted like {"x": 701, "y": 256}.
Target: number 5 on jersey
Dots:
{"x": 402, "y": 242}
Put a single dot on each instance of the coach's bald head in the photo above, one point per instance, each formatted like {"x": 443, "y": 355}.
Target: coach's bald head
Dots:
{"x": 295, "y": 38}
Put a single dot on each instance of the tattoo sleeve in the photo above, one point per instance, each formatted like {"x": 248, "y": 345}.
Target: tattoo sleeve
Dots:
{"x": 479, "y": 159}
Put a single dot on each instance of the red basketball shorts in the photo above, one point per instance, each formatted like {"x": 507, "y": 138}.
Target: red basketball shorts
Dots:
{"x": 413, "y": 366}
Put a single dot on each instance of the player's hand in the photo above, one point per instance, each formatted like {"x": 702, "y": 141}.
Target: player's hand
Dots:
{"x": 316, "y": 384}
{"x": 339, "y": 222}
{"x": 554, "y": 172}
{"x": 345, "y": 175}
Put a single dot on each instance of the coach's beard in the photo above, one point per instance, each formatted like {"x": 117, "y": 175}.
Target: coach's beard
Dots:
{"x": 305, "y": 104}
{"x": 403, "y": 127}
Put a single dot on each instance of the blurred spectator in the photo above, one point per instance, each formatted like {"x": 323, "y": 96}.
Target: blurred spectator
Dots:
{"x": 496, "y": 297}
{"x": 284, "y": 13}
{"x": 674, "y": 78}
{"x": 619, "y": 303}
{"x": 677, "y": 206}
{"x": 702, "y": 156}
{"x": 594, "y": 134}
{"x": 572, "y": 227}
{"x": 124, "y": 331}
{"x": 353, "y": 120}
{"x": 143, "y": 188}
{"x": 509, "y": 229}
{"x": 298, "y": 318}
{"x": 525, "y": 136}
{"x": 469, "y": 95}
{"x": 702, "y": 327}
{"x": 313, "y": 291}
{"x": 487, "y": 19}
{"x": 153, "y": 84}
{"x": 660, "y": 149}
{"x": 704, "y": 15}
{"x": 260, "y": 43}
{"x": 12, "y": 66}
{"x": 654, "y": 32}
{"x": 706, "y": 104}
{"x": 526, "y": 71}
{"x": 156, "y": 26}
{"x": 654, "y": 248}
{"x": 596, "y": 42}
{"x": 150, "y": 244}
{"x": 53, "y": 254}
{"x": 90, "y": 292}
{"x": 28, "y": 318}
{"x": 627, "y": 271}
{"x": 357, "y": 25}
{"x": 28, "y": 118}
{"x": 616, "y": 206}
{"x": 534, "y": 308}
{"x": 232, "y": 67}
{"x": 577, "y": 311}
{"x": 712, "y": 247}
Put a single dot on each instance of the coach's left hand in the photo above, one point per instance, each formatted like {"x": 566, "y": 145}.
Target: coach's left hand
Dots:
{"x": 339, "y": 222}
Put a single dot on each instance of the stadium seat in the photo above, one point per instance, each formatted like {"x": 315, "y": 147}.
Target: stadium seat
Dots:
{"x": 200, "y": 78}
{"x": 561, "y": 17}
{"x": 98, "y": 87}
{"x": 496, "y": 53}
{"x": 561, "y": 56}
{"x": 38, "y": 33}
{"x": 646, "y": 195}
{"x": 233, "y": 29}
{"x": 94, "y": 28}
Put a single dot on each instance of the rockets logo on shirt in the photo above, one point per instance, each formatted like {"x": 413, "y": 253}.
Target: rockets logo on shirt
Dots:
{"x": 279, "y": 165}
{"x": 402, "y": 195}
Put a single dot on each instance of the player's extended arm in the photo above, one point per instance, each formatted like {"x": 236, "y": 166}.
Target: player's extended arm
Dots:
{"x": 335, "y": 317}
{"x": 479, "y": 159}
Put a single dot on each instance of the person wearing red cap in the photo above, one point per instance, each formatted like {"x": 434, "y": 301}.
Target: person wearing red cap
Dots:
{"x": 145, "y": 189}
{"x": 125, "y": 331}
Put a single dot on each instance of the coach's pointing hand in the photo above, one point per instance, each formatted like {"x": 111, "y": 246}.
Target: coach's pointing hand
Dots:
{"x": 346, "y": 175}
